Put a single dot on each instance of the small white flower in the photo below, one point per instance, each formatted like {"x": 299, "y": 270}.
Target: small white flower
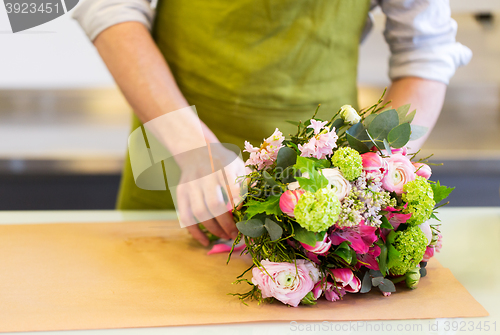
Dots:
{"x": 349, "y": 114}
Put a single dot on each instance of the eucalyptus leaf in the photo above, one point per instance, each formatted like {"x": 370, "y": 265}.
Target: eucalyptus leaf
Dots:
{"x": 358, "y": 131}
{"x": 417, "y": 132}
{"x": 387, "y": 147}
{"x": 369, "y": 120}
{"x": 274, "y": 229}
{"x": 337, "y": 124}
{"x": 387, "y": 286}
{"x": 366, "y": 283}
{"x": 357, "y": 144}
{"x": 286, "y": 157}
{"x": 402, "y": 111}
{"x": 375, "y": 273}
{"x": 423, "y": 272}
{"x": 251, "y": 228}
{"x": 399, "y": 136}
{"x": 382, "y": 124}
{"x": 376, "y": 281}
{"x": 269, "y": 179}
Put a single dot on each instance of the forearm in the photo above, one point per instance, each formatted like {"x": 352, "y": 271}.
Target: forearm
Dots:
{"x": 426, "y": 96}
{"x": 143, "y": 75}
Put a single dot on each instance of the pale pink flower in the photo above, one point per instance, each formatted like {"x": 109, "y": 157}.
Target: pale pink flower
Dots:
{"x": 439, "y": 243}
{"x": 429, "y": 253}
{"x": 288, "y": 200}
{"x": 423, "y": 170}
{"x": 267, "y": 153}
{"x": 321, "y": 247}
{"x": 321, "y": 143}
{"x": 284, "y": 281}
{"x": 403, "y": 151}
{"x": 400, "y": 171}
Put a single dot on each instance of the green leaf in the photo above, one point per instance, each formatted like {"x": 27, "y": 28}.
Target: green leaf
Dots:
{"x": 366, "y": 283}
{"x": 391, "y": 236}
{"x": 417, "y": 132}
{"x": 344, "y": 252}
{"x": 269, "y": 206}
{"x": 274, "y": 229}
{"x": 393, "y": 256}
{"x": 382, "y": 124}
{"x": 433, "y": 216}
{"x": 387, "y": 286}
{"x": 315, "y": 181}
{"x": 252, "y": 228}
{"x": 286, "y": 157}
{"x": 399, "y": 136}
{"x": 320, "y": 163}
{"x": 382, "y": 259}
{"x": 357, "y": 144}
{"x": 441, "y": 192}
{"x": 386, "y": 223}
{"x": 303, "y": 235}
{"x": 295, "y": 123}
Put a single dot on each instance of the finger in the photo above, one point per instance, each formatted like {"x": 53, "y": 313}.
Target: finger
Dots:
{"x": 187, "y": 219}
{"x": 227, "y": 223}
{"x": 183, "y": 208}
{"x": 213, "y": 226}
{"x": 198, "y": 235}
{"x": 215, "y": 203}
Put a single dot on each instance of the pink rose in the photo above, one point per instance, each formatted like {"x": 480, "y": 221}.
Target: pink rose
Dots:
{"x": 284, "y": 281}
{"x": 288, "y": 200}
{"x": 426, "y": 229}
{"x": 372, "y": 161}
{"x": 320, "y": 248}
{"x": 423, "y": 170}
{"x": 399, "y": 172}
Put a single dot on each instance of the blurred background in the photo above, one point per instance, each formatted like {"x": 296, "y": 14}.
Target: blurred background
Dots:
{"x": 64, "y": 124}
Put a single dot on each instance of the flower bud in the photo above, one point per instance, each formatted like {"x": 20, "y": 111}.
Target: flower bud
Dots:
{"x": 288, "y": 200}
{"x": 423, "y": 170}
{"x": 349, "y": 114}
{"x": 412, "y": 278}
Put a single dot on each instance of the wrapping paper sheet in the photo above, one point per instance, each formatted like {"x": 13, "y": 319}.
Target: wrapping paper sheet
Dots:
{"x": 145, "y": 274}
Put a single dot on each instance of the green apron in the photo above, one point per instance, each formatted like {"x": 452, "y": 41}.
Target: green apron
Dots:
{"x": 248, "y": 66}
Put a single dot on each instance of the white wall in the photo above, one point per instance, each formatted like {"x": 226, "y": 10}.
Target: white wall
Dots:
{"x": 58, "y": 54}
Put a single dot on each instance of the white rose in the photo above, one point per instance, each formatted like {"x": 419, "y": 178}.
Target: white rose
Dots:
{"x": 349, "y": 114}
{"x": 335, "y": 179}
{"x": 337, "y": 182}
{"x": 313, "y": 271}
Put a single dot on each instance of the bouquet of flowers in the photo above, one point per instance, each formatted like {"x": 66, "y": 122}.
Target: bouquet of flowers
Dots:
{"x": 341, "y": 206}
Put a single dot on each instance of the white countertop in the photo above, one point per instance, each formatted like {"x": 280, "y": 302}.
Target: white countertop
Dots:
{"x": 471, "y": 249}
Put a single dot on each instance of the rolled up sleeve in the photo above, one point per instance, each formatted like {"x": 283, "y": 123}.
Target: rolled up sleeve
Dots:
{"x": 94, "y": 16}
{"x": 421, "y": 36}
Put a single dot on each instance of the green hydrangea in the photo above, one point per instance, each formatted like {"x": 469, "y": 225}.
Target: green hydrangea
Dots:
{"x": 411, "y": 244}
{"x": 349, "y": 162}
{"x": 317, "y": 211}
{"x": 420, "y": 198}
